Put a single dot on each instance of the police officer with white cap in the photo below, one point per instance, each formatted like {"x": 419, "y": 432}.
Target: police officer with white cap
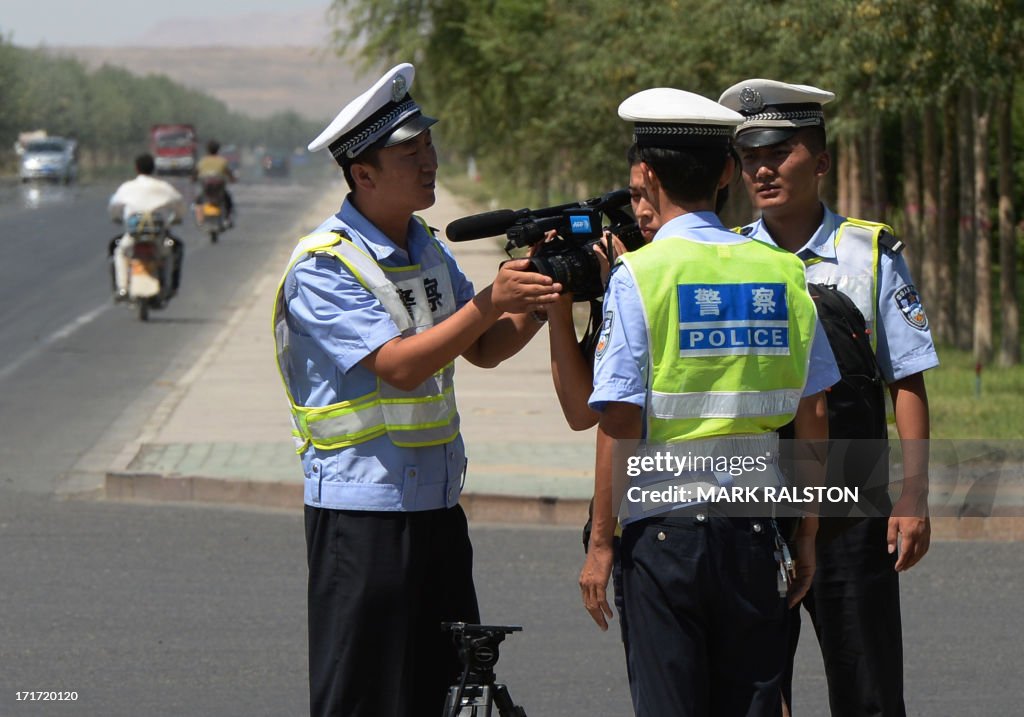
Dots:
{"x": 370, "y": 315}
{"x": 854, "y": 601}
{"x": 706, "y": 618}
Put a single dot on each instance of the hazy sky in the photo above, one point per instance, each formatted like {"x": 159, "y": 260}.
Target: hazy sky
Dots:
{"x": 113, "y": 22}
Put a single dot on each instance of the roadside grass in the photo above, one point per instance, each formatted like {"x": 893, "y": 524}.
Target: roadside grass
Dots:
{"x": 959, "y": 411}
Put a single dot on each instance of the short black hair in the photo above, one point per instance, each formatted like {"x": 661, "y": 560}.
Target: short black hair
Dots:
{"x": 814, "y": 138}
{"x": 633, "y": 155}
{"x": 213, "y": 146}
{"x": 688, "y": 174}
{"x": 144, "y": 163}
{"x": 370, "y": 156}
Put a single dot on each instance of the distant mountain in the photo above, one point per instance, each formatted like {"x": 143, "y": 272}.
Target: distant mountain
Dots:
{"x": 309, "y": 80}
{"x": 301, "y": 28}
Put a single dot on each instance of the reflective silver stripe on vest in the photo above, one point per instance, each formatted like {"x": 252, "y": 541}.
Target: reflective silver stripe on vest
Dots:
{"x": 724, "y": 404}
{"x": 381, "y": 415}
{"x": 764, "y": 446}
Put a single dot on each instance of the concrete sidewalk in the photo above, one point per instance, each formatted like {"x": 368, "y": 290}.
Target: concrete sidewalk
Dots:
{"x": 221, "y": 432}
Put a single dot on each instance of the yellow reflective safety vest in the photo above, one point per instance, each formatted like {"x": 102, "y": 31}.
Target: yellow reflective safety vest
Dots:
{"x": 855, "y": 272}
{"x": 730, "y": 328}
{"x": 425, "y": 416}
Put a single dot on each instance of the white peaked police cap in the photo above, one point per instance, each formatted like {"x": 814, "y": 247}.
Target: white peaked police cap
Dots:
{"x": 774, "y": 111}
{"x": 382, "y": 116}
{"x": 667, "y": 117}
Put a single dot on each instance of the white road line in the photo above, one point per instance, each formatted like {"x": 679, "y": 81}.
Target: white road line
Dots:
{"x": 62, "y": 333}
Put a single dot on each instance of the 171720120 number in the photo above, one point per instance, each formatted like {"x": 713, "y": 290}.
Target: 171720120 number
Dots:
{"x": 46, "y": 696}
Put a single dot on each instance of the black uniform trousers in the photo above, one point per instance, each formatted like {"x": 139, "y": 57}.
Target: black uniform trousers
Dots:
{"x": 854, "y": 605}
{"x": 707, "y": 626}
{"x": 380, "y": 585}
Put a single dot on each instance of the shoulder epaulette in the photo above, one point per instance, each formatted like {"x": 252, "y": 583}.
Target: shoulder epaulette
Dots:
{"x": 745, "y": 231}
{"x": 889, "y": 242}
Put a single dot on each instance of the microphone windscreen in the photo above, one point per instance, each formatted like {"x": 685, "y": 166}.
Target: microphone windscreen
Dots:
{"x": 478, "y": 226}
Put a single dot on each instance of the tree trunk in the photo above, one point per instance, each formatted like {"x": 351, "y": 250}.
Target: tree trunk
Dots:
{"x": 910, "y": 127}
{"x": 843, "y": 173}
{"x": 876, "y": 179}
{"x": 966, "y": 245}
{"x": 856, "y": 185}
{"x": 931, "y": 247}
{"x": 1009, "y": 303}
{"x": 945, "y": 297}
{"x": 982, "y": 107}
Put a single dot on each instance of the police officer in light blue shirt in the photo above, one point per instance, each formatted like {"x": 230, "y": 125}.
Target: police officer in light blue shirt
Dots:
{"x": 854, "y": 602}
{"x": 904, "y": 344}
{"x": 706, "y": 611}
{"x": 331, "y": 307}
{"x": 369, "y": 318}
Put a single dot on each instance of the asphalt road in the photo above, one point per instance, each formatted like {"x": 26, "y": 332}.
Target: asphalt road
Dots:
{"x": 188, "y": 611}
{"x": 70, "y": 360}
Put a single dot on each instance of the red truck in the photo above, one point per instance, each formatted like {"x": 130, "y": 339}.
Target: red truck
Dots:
{"x": 174, "y": 148}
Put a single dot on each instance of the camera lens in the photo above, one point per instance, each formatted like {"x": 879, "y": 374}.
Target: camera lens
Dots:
{"x": 577, "y": 270}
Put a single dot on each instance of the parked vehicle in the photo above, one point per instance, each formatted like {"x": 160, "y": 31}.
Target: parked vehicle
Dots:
{"x": 149, "y": 251}
{"x": 50, "y": 158}
{"x": 211, "y": 208}
{"x": 174, "y": 148}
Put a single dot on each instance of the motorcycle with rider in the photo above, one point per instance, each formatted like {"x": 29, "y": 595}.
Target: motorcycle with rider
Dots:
{"x": 146, "y": 259}
{"x": 214, "y": 206}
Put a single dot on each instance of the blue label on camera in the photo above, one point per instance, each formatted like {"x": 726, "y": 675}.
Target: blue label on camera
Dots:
{"x": 579, "y": 224}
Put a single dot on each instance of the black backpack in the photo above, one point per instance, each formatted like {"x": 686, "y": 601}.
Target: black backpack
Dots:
{"x": 856, "y": 405}
{"x": 858, "y": 434}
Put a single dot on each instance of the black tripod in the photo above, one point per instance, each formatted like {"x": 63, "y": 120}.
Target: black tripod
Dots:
{"x": 477, "y": 693}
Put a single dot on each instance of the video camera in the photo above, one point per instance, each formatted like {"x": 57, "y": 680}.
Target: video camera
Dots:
{"x": 569, "y": 259}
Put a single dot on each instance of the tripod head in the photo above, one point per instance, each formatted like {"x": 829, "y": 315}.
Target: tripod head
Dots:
{"x": 477, "y": 646}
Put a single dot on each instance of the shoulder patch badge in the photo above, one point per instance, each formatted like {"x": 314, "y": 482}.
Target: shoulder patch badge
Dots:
{"x": 606, "y": 330}
{"x": 909, "y": 303}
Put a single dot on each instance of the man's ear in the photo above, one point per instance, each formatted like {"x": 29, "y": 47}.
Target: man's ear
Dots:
{"x": 824, "y": 163}
{"x": 363, "y": 175}
{"x": 651, "y": 191}
{"x": 727, "y": 172}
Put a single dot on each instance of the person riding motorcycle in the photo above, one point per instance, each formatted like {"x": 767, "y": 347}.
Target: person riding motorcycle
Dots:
{"x": 144, "y": 195}
{"x": 214, "y": 169}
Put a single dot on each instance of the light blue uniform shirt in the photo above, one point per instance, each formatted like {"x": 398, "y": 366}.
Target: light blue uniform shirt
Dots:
{"x": 902, "y": 348}
{"x": 335, "y": 323}
{"x": 620, "y": 370}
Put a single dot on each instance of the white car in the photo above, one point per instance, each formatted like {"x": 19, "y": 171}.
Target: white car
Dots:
{"x": 53, "y": 158}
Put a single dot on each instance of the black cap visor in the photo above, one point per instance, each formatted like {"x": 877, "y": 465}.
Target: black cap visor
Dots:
{"x": 410, "y": 129}
{"x": 764, "y": 137}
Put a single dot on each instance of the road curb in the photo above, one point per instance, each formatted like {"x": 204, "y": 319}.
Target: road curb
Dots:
{"x": 127, "y": 486}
